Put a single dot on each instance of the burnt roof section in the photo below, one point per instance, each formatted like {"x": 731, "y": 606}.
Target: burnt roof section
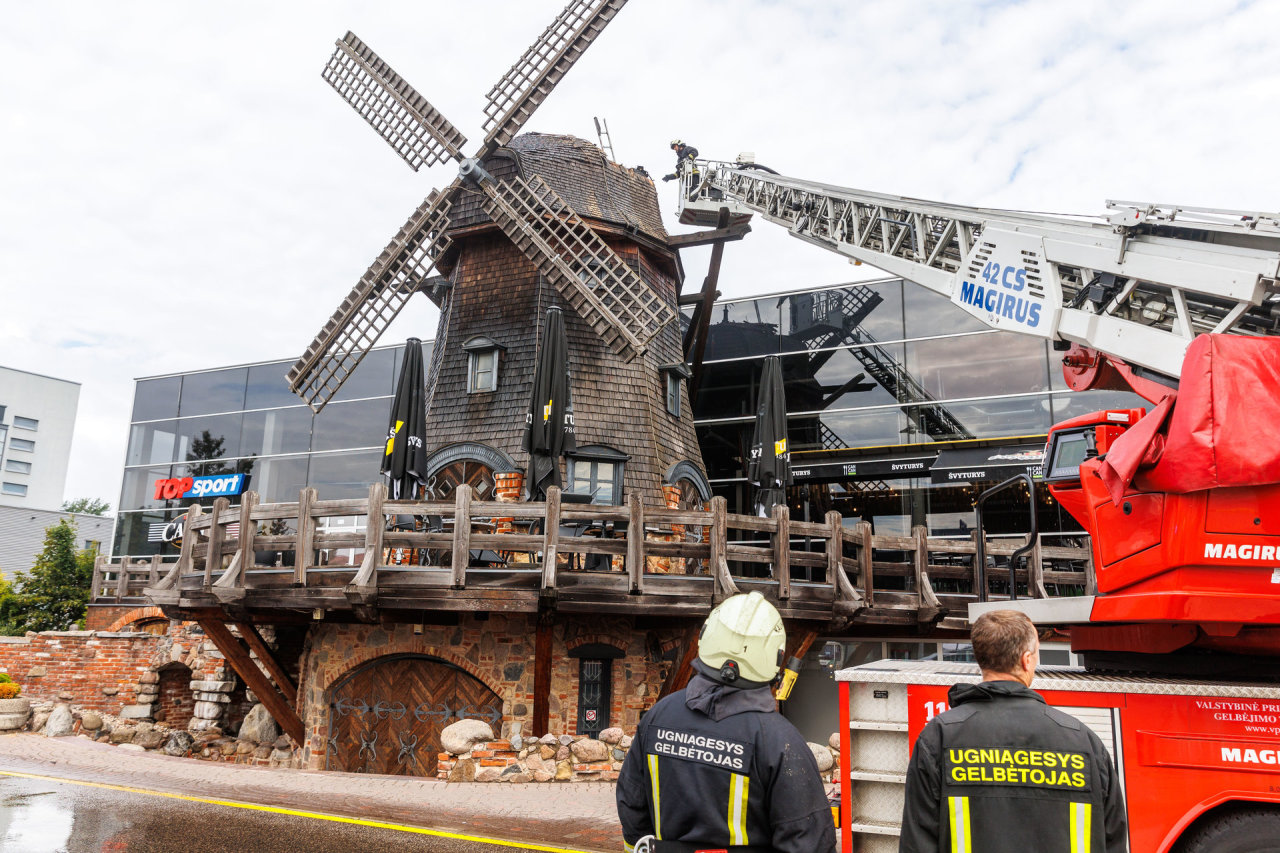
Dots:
{"x": 580, "y": 173}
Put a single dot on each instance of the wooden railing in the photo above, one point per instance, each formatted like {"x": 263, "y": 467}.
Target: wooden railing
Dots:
{"x": 633, "y": 558}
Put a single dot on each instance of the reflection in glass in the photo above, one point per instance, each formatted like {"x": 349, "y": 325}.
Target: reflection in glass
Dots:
{"x": 858, "y": 429}
{"x": 154, "y": 399}
{"x": 279, "y": 480}
{"x": 213, "y": 391}
{"x": 860, "y": 313}
{"x": 844, "y": 378}
{"x": 1016, "y": 416}
{"x": 1075, "y": 404}
{"x": 743, "y": 328}
{"x": 152, "y": 443}
{"x": 138, "y": 490}
{"x": 976, "y": 365}
{"x": 276, "y": 431}
{"x": 928, "y": 313}
{"x": 267, "y": 387}
{"x": 208, "y": 438}
{"x": 344, "y": 475}
{"x": 343, "y": 425}
{"x": 141, "y": 534}
{"x": 372, "y": 377}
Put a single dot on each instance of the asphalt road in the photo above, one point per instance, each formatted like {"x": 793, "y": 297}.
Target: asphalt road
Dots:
{"x": 46, "y": 815}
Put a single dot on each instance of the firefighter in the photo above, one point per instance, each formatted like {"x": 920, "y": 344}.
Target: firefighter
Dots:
{"x": 686, "y": 161}
{"x": 1002, "y": 771}
{"x": 715, "y": 765}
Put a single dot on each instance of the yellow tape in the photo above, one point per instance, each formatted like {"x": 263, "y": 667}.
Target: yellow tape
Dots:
{"x": 399, "y": 827}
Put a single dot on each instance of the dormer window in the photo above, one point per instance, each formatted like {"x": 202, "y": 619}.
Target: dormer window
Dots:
{"x": 673, "y": 375}
{"x": 482, "y": 364}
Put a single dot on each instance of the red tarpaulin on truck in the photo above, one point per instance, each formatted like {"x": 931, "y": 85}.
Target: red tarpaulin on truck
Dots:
{"x": 1222, "y": 430}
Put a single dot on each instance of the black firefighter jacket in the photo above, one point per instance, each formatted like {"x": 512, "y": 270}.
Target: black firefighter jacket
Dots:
{"x": 1002, "y": 771}
{"x": 718, "y": 766}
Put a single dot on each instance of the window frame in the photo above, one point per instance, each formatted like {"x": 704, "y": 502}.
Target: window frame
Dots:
{"x": 18, "y": 444}
{"x": 20, "y": 422}
{"x": 15, "y": 490}
{"x": 10, "y": 469}
{"x": 477, "y": 348}
{"x": 594, "y": 454}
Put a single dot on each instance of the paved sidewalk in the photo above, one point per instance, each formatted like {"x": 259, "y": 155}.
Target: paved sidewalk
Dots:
{"x": 578, "y": 815}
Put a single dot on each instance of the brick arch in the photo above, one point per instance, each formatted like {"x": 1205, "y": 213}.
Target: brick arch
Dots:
{"x": 618, "y": 641}
{"x": 446, "y": 655}
{"x": 138, "y": 614}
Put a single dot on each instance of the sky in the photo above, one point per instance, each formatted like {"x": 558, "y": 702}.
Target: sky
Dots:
{"x": 180, "y": 190}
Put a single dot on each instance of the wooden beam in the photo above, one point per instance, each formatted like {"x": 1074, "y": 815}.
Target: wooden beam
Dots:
{"x": 306, "y": 536}
{"x": 931, "y": 609}
{"x": 259, "y": 647}
{"x": 682, "y": 671}
{"x": 461, "y": 535}
{"x": 715, "y": 235}
{"x": 551, "y": 540}
{"x": 213, "y": 553}
{"x": 724, "y": 584}
{"x": 695, "y": 341}
{"x": 635, "y": 543}
{"x": 782, "y": 550}
{"x": 254, "y": 678}
{"x": 542, "y": 662}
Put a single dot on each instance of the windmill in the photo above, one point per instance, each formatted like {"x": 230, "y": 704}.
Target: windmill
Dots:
{"x": 629, "y": 325}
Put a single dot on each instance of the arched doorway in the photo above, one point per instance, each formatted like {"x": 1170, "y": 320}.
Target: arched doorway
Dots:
{"x": 386, "y": 716}
{"x": 175, "y": 703}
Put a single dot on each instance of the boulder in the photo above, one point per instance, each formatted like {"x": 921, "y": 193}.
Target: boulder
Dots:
{"x": 535, "y": 762}
{"x": 60, "y": 722}
{"x": 144, "y": 726}
{"x": 517, "y": 742}
{"x": 259, "y": 726}
{"x": 546, "y": 751}
{"x": 548, "y": 739}
{"x": 263, "y": 751}
{"x": 227, "y": 746}
{"x": 203, "y": 710}
{"x": 488, "y": 774}
{"x": 179, "y": 743}
{"x": 122, "y": 734}
{"x": 283, "y": 742}
{"x": 565, "y": 740}
{"x": 135, "y": 712}
{"x": 459, "y": 737}
{"x": 564, "y": 771}
{"x": 281, "y": 756}
{"x": 41, "y": 717}
{"x": 543, "y": 776}
{"x": 823, "y": 757}
{"x": 611, "y": 735}
{"x": 618, "y": 755}
{"x": 245, "y": 747}
{"x": 589, "y": 751}
{"x": 562, "y": 753}
{"x": 520, "y": 778}
{"x": 834, "y": 741}
{"x": 153, "y": 739}
{"x": 463, "y": 771}
{"x": 625, "y": 743}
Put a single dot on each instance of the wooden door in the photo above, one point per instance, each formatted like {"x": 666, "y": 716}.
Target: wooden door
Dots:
{"x": 386, "y": 717}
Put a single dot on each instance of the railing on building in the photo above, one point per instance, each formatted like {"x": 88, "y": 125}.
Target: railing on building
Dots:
{"x": 437, "y": 555}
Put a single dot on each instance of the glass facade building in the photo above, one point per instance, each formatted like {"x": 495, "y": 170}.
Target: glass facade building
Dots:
{"x": 901, "y": 408}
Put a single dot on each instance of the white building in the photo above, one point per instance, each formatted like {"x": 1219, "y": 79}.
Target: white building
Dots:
{"x": 37, "y": 418}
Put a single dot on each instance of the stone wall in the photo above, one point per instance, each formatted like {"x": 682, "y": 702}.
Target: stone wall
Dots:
{"x": 499, "y": 652}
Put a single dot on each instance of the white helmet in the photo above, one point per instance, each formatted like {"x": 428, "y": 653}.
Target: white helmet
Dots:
{"x": 741, "y": 642}
{"x": 676, "y": 143}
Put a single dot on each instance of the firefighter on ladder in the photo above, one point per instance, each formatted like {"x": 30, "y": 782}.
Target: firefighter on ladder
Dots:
{"x": 1002, "y": 772}
{"x": 715, "y": 766}
{"x": 686, "y": 164}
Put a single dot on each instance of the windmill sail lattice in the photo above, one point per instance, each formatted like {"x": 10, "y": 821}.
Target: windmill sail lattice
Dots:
{"x": 527, "y": 83}
{"x": 401, "y": 116}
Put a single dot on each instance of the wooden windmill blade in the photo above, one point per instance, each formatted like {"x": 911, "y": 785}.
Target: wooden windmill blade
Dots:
{"x": 528, "y": 83}
{"x": 401, "y": 116}
{"x": 622, "y": 309}
{"x": 373, "y": 303}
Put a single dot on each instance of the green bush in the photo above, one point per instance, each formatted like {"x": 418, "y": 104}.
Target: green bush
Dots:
{"x": 5, "y": 679}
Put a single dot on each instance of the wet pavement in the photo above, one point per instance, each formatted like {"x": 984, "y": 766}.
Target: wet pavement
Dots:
{"x": 70, "y": 794}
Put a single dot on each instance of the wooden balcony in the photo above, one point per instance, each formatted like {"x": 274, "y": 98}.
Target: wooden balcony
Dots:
{"x": 290, "y": 561}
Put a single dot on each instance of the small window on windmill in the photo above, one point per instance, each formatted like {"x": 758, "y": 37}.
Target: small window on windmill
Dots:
{"x": 673, "y": 375}
{"x": 596, "y": 471}
{"x": 483, "y": 358}
{"x": 592, "y": 274}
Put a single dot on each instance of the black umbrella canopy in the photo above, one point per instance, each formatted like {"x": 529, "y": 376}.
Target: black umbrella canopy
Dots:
{"x": 404, "y": 463}
{"x": 549, "y": 430}
{"x": 769, "y": 469}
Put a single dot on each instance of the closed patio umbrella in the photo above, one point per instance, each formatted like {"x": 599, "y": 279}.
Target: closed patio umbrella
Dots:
{"x": 769, "y": 468}
{"x": 549, "y": 430}
{"x": 404, "y": 463}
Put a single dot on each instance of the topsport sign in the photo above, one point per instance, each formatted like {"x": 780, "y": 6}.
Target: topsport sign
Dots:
{"x": 215, "y": 486}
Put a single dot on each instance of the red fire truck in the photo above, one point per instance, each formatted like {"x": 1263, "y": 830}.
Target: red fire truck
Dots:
{"x": 1182, "y": 503}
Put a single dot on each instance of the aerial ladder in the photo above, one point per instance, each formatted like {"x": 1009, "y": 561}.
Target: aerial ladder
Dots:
{"x": 1123, "y": 296}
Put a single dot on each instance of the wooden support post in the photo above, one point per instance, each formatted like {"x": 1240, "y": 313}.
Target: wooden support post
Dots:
{"x": 363, "y": 589}
{"x": 862, "y": 536}
{"x": 551, "y": 539}
{"x": 1035, "y": 571}
{"x": 122, "y": 578}
{"x": 306, "y": 537}
{"x": 695, "y": 341}
{"x": 461, "y": 535}
{"x": 153, "y": 574}
{"x": 844, "y": 590}
{"x": 542, "y": 651}
{"x": 186, "y": 555}
{"x": 213, "y": 554}
{"x": 929, "y": 608}
{"x": 635, "y": 543}
{"x": 724, "y": 585}
{"x": 267, "y": 658}
{"x": 682, "y": 670}
{"x": 782, "y": 550}
{"x": 248, "y": 529}
{"x": 238, "y": 657}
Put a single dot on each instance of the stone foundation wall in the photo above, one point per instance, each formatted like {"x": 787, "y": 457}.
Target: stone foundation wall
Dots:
{"x": 499, "y": 652}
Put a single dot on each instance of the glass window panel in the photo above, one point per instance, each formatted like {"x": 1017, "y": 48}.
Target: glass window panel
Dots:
{"x": 208, "y": 438}
{"x": 743, "y": 328}
{"x": 280, "y": 479}
{"x": 859, "y": 429}
{"x": 154, "y": 399}
{"x": 909, "y": 651}
{"x": 928, "y": 313}
{"x": 16, "y": 489}
{"x": 139, "y": 488}
{"x": 344, "y": 475}
{"x": 824, "y": 380}
{"x": 977, "y": 365}
{"x": 860, "y": 313}
{"x": 213, "y": 391}
{"x": 152, "y": 443}
{"x": 267, "y": 387}
{"x": 26, "y": 423}
{"x": 142, "y": 534}
{"x": 24, "y": 444}
{"x": 1075, "y": 404}
{"x": 341, "y": 426}
{"x": 723, "y": 446}
{"x": 372, "y": 377}
{"x": 728, "y": 389}
{"x": 950, "y": 513}
{"x": 276, "y": 431}
{"x": 993, "y": 418}
{"x": 17, "y": 467}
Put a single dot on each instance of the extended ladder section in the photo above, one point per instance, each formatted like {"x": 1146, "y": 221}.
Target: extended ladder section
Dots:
{"x": 1137, "y": 284}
